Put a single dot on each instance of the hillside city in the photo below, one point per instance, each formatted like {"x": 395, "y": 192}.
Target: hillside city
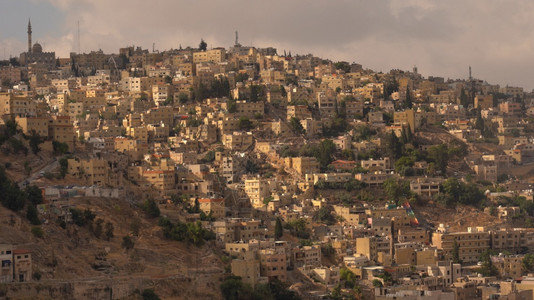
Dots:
{"x": 247, "y": 173}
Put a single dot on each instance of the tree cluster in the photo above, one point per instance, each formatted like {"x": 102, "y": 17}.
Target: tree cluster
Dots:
{"x": 456, "y": 191}
{"x": 218, "y": 88}
{"x": 398, "y": 190}
{"x": 151, "y": 209}
{"x": 351, "y": 185}
{"x": 233, "y": 288}
{"x": 298, "y": 228}
{"x": 192, "y": 233}
{"x": 15, "y": 199}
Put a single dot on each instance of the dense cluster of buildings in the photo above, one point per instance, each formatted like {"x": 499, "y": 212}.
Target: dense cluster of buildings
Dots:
{"x": 225, "y": 128}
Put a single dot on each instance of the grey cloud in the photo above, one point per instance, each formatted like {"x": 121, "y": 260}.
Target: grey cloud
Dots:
{"x": 441, "y": 37}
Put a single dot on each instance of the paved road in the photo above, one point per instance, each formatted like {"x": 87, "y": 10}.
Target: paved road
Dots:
{"x": 37, "y": 174}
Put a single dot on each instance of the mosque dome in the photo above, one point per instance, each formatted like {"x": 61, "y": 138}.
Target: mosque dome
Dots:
{"x": 37, "y": 48}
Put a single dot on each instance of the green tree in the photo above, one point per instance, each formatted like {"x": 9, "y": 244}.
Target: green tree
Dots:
{"x": 127, "y": 243}
{"x": 241, "y": 77}
{"x": 342, "y": 65}
{"x": 232, "y": 288}
{"x": 487, "y": 269}
{"x": 296, "y": 126}
{"x": 35, "y": 140}
{"x": 394, "y": 146}
{"x": 396, "y": 189}
{"x": 408, "y": 100}
{"x": 464, "y": 100}
{"x": 34, "y": 193}
{"x": 348, "y": 277}
{"x": 336, "y": 294}
{"x": 231, "y": 106}
{"x": 32, "y": 215}
{"x": 203, "y": 45}
{"x": 11, "y": 127}
{"x": 439, "y": 155}
{"x": 324, "y": 153}
{"x": 183, "y": 98}
{"x": 27, "y": 168}
{"x": 109, "y": 231}
{"x": 479, "y": 123}
{"x": 455, "y": 253}
{"x": 60, "y": 148}
{"x": 403, "y": 166}
{"x": 135, "y": 227}
{"x": 209, "y": 157}
{"x": 151, "y": 209}
{"x": 37, "y": 232}
{"x": 377, "y": 283}
{"x": 149, "y": 294}
{"x": 98, "y": 228}
{"x": 528, "y": 262}
{"x": 245, "y": 124}
{"x": 63, "y": 166}
{"x": 82, "y": 218}
{"x": 278, "y": 230}
{"x": 325, "y": 216}
{"x": 452, "y": 189}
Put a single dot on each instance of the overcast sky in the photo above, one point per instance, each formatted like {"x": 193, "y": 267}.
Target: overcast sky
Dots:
{"x": 442, "y": 38}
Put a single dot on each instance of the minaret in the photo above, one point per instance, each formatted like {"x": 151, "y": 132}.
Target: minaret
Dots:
{"x": 29, "y": 36}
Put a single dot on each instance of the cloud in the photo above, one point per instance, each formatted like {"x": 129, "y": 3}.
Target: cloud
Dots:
{"x": 441, "y": 37}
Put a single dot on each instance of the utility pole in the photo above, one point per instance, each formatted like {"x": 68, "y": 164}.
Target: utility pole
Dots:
{"x": 79, "y": 50}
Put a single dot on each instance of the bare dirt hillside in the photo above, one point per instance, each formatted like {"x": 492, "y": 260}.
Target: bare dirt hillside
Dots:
{"x": 74, "y": 253}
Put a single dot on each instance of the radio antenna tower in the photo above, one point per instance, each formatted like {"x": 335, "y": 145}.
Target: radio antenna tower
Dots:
{"x": 79, "y": 48}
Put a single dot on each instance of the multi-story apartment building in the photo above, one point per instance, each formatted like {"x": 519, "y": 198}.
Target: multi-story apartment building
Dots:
{"x": 426, "y": 186}
{"x": 513, "y": 108}
{"x": 22, "y": 265}
{"x": 238, "y": 141}
{"x": 377, "y": 165}
{"x": 407, "y": 118}
{"x": 61, "y": 130}
{"x": 512, "y": 91}
{"x": 257, "y": 189}
{"x": 248, "y": 269}
{"x": 509, "y": 266}
{"x": 303, "y": 165}
{"x": 516, "y": 240}
{"x": 306, "y": 256}
{"x": 16, "y": 105}
{"x": 161, "y": 180}
{"x": 39, "y": 125}
{"x": 215, "y": 206}
{"x": 94, "y": 171}
{"x": 216, "y": 55}
{"x": 371, "y": 247}
{"x": 300, "y": 112}
{"x": 483, "y": 101}
{"x": 470, "y": 244}
{"x": 273, "y": 263}
{"x": 6, "y": 261}
{"x": 249, "y": 109}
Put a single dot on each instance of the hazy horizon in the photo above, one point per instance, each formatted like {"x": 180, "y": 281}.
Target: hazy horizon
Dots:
{"x": 440, "y": 38}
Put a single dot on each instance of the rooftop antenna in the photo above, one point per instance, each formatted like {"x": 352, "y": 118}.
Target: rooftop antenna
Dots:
{"x": 79, "y": 37}
{"x": 470, "y": 77}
